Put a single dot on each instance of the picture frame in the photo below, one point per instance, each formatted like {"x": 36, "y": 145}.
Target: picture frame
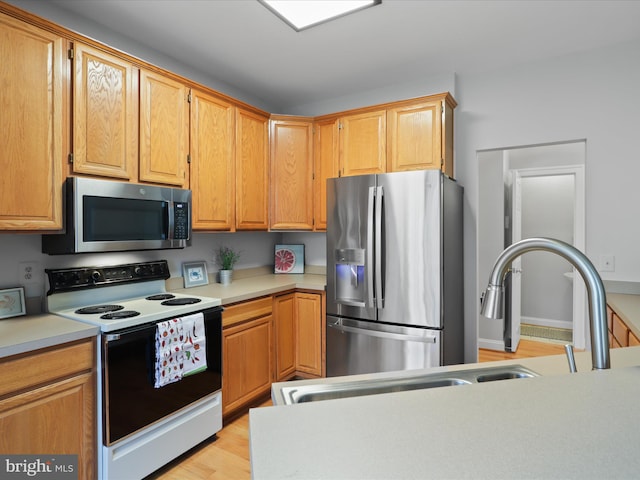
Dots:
{"x": 12, "y": 302}
{"x": 289, "y": 259}
{"x": 195, "y": 274}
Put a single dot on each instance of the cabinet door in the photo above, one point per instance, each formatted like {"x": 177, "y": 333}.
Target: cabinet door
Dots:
{"x": 252, "y": 171}
{"x": 54, "y": 419}
{"x": 247, "y": 362}
{"x": 105, "y": 130}
{"x": 309, "y": 333}
{"x": 285, "y": 332}
{"x": 415, "y": 137}
{"x": 620, "y": 331}
{"x": 633, "y": 340}
{"x": 31, "y": 126}
{"x": 291, "y": 174}
{"x": 325, "y": 164}
{"x": 164, "y": 130}
{"x": 212, "y": 162}
{"x": 363, "y": 144}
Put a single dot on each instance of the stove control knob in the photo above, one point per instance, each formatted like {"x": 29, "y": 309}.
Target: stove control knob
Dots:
{"x": 95, "y": 275}
{"x": 137, "y": 271}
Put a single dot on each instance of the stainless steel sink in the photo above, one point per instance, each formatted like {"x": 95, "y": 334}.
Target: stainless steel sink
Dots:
{"x": 327, "y": 391}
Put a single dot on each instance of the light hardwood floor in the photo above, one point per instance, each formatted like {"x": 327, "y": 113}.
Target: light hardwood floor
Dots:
{"x": 227, "y": 457}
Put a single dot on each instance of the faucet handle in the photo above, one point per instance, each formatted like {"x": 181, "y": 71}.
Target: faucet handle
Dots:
{"x": 570, "y": 357}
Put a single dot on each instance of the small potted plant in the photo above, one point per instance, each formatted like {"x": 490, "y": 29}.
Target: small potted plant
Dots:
{"x": 226, "y": 258}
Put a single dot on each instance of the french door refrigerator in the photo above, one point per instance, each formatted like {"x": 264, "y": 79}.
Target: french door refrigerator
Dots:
{"x": 394, "y": 272}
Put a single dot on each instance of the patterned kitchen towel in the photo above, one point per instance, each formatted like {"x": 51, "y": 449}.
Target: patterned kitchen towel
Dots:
{"x": 194, "y": 347}
{"x": 169, "y": 352}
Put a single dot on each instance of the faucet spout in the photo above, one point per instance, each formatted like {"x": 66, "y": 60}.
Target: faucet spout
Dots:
{"x": 492, "y": 300}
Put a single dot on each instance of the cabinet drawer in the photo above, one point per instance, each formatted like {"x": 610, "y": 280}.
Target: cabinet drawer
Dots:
{"x": 241, "y": 312}
{"x": 21, "y": 372}
{"x": 620, "y": 331}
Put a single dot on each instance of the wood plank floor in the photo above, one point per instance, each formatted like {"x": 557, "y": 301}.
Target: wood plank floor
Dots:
{"x": 227, "y": 457}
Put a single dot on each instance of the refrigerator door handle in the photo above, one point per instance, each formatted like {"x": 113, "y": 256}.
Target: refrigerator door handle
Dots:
{"x": 375, "y": 333}
{"x": 378, "y": 248}
{"x": 370, "y": 246}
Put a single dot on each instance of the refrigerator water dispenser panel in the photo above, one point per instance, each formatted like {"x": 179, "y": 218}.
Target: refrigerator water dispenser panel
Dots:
{"x": 350, "y": 285}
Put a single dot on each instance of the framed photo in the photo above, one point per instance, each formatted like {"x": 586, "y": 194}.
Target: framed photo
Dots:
{"x": 12, "y": 302}
{"x": 195, "y": 274}
{"x": 289, "y": 259}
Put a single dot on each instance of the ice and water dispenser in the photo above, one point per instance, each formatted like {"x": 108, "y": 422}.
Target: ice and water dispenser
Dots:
{"x": 350, "y": 277}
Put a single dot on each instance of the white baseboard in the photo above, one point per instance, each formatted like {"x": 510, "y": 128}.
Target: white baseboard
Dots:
{"x": 489, "y": 344}
{"x": 547, "y": 322}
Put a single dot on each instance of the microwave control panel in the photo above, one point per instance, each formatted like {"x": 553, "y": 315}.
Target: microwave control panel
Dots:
{"x": 181, "y": 221}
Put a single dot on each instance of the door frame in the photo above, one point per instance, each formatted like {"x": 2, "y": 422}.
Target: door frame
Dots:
{"x": 579, "y": 239}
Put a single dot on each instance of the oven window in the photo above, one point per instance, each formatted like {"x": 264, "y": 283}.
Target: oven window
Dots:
{"x": 130, "y": 400}
{"x": 120, "y": 219}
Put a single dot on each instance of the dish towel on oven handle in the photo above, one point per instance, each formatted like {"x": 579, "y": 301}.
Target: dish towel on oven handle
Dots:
{"x": 169, "y": 352}
{"x": 194, "y": 348}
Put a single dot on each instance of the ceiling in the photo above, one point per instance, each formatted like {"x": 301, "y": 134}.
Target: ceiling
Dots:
{"x": 241, "y": 43}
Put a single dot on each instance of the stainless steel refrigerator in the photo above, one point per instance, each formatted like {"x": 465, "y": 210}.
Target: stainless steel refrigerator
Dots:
{"x": 394, "y": 272}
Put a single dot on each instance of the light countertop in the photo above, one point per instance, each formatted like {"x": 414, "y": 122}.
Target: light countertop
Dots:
{"x": 33, "y": 332}
{"x": 558, "y": 425}
{"x": 250, "y": 287}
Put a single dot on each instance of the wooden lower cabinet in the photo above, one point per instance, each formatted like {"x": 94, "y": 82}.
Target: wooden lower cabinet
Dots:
{"x": 310, "y": 337}
{"x": 247, "y": 339}
{"x": 284, "y": 312}
{"x": 48, "y": 404}
{"x": 620, "y": 335}
{"x": 270, "y": 339}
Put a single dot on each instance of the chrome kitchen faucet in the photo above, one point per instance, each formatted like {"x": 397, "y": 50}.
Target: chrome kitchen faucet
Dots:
{"x": 492, "y": 304}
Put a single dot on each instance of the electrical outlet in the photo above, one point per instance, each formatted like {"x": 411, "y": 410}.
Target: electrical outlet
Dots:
{"x": 607, "y": 263}
{"x": 29, "y": 273}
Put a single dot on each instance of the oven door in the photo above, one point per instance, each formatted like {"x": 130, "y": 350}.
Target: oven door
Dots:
{"x": 130, "y": 400}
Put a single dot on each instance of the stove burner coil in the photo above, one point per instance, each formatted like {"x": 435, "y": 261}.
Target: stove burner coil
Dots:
{"x": 181, "y": 301}
{"x": 160, "y": 296}
{"x": 120, "y": 314}
{"x": 99, "y": 309}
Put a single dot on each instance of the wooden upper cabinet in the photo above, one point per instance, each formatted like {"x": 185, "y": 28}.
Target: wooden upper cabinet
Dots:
{"x": 31, "y": 126}
{"x": 363, "y": 145}
{"x": 325, "y": 164}
{"x": 252, "y": 170}
{"x": 164, "y": 130}
{"x": 105, "y": 130}
{"x": 420, "y": 135}
{"x": 291, "y": 141}
{"x": 212, "y": 162}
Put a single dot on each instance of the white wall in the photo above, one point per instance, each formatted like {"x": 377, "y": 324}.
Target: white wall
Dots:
{"x": 594, "y": 96}
{"x": 547, "y": 211}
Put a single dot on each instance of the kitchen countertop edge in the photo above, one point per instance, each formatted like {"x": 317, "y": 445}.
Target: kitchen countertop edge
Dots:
{"x": 33, "y": 332}
{"x": 258, "y": 286}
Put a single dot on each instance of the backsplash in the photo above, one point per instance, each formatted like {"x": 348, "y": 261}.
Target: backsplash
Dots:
{"x": 257, "y": 250}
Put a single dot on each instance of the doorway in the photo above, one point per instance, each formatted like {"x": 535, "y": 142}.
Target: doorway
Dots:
{"x": 526, "y": 192}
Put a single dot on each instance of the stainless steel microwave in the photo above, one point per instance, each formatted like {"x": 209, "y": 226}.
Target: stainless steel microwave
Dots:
{"x": 109, "y": 216}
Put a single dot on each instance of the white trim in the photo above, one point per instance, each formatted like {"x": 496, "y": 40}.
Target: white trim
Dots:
{"x": 580, "y": 318}
{"x": 547, "y": 322}
{"x": 490, "y": 344}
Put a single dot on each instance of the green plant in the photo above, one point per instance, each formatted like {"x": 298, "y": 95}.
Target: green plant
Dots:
{"x": 226, "y": 258}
